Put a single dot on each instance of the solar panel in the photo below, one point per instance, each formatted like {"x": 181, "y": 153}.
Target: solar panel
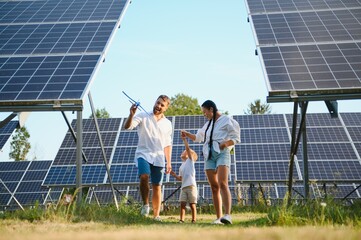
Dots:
{"x": 6, "y": 131}
{"x": 59, "y": 11}
{"x": 334, "y": 170}
{"x": 66, "y": 175}
{"x": 307, "y": 27}
{"x": 24, "y": 179}
{"x": 268, "y": 6}
{"x": 313, "y": 67}
{"x": 189, "y": 122}
{"x": 308, "y": 49}
{"x": 351, "y": 119}
{"x": 49, "y": 50}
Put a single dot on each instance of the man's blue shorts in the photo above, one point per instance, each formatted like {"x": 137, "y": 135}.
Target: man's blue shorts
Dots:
{"x": 156, "y": 173}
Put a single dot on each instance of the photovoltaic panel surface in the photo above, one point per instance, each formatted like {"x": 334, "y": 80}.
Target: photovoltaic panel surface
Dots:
{"x": 6, "y": 131}
{"x": 50, "y": 50}
{"x": 24, "y": 180}
{"x": 309, "y": 48}
{"x": 308, "y": 27}
{"x": 59, "y": 11}
{"x": 269, "y": 6}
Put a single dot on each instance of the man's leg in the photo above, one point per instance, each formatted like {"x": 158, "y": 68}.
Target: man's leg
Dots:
{"x": 144, "y": 188}
{"x": 156, "y": 199}
{"x": 144, "y": 171}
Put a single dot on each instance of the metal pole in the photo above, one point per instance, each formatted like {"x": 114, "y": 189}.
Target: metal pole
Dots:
{"x": 292, "y": 155}
{"x": 304, "y": 148}
{"x": 103, "y": 151}
{"x": 79, "y": 157}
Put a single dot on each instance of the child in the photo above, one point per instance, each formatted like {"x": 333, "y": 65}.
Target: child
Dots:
{"x": 187, "y": 174}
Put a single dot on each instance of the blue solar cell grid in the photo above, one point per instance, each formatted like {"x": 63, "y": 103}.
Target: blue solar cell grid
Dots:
{"x": 260, "y": 121}
{"x": 351, "y": 119}
{"x": 60, "y": 11}
{"x": 334, "y": 170}
{"x": 269, "y": 6}
{"x": 189, "y": 122}
{"x": 45, "y": 78}
{"x": 66, "y": 175}
{"x": 312, "y": 67}
{"x": 316, "y": 120}
{"x": 6, "y": 131}
{"x": 308, "y": 27}
{"x": 128, "y": 138}
{"x": 126, "y": 173}
{"x": 65, "y": 38}
{"x": 124, "y": 155}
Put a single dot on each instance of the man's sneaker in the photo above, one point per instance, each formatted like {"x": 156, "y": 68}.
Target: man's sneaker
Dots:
{"x": 157, "y": 219}
{"x": 145, "y": 210}
{"x": 226, "y": 219}
{"x": 217, "y": 222}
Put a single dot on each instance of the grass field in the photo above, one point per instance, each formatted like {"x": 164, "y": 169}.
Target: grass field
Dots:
{"x": 170, "y": 229}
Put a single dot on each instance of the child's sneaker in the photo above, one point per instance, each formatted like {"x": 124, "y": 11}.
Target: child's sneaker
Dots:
{"x": 226, "y": 219}
{"x": 157, "y": 219}
{"x": 145, "y": 210}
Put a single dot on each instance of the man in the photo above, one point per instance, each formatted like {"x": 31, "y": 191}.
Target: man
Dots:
{"x": 154, "y": 147}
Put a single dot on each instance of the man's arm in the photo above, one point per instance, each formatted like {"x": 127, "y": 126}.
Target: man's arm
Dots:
{"x": 168, "y": 153}
{"x": 132, "y": 111}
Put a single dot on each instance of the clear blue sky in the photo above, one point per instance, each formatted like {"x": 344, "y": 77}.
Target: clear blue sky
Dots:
{"x": 201, "y": 48}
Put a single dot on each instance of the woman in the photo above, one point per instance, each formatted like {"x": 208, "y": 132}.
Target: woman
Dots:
{"x": 219, "y": 135}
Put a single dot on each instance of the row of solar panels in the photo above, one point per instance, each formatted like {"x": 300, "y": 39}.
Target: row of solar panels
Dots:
{"x": 334, "y": 150}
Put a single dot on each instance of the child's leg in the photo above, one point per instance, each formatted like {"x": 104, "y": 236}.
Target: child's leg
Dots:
{"x": 194, "y": 211}
{"x": 182, "y": 211}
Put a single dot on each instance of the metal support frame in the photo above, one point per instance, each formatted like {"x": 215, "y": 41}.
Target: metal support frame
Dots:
{"x": 12, "y": 195}
{"x": 103, "y": 151}
{"x": 79, "y": 157}
{"x": 294, "y": 147}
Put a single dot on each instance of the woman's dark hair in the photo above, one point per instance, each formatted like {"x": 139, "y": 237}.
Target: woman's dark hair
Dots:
{"x": 208, "y": 105}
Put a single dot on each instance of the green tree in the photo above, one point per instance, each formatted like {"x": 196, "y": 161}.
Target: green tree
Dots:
{"x": 101, "y": 113}
{"x": 20, "y": 146}
{"x": 184, "y": 105}
{"x": 258, "y": 108}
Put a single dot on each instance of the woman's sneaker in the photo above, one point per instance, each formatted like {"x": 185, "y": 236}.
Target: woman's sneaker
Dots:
{"x": 145, "y": 210}
{"x": 226, "y": 219}
{"x": 217, "y": 222}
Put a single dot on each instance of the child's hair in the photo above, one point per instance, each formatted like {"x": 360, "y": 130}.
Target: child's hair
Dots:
{"x": 194, "y": 154}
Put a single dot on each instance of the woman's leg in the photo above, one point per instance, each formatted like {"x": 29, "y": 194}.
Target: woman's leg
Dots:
{"x": 217, "y": 201}
{"x": 222, "y": 173}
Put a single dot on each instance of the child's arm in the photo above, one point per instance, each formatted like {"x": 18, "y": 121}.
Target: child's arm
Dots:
{"x": 184, "y": 138}
{"x": 179, "y": 178}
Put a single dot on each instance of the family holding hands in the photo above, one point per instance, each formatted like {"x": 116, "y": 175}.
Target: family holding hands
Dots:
{"x": 153, "y": 157}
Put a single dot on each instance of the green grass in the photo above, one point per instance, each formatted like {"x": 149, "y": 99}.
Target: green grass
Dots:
{"x": 315, "y": 213}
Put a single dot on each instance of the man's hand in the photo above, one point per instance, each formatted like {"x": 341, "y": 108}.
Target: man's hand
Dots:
{"x": 168, "y": 168}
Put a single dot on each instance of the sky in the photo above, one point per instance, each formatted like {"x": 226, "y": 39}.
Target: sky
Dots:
{"x": 201, "y": 48}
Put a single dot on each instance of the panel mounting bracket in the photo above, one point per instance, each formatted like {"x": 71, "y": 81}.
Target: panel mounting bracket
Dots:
{"x": 332, "y": 108}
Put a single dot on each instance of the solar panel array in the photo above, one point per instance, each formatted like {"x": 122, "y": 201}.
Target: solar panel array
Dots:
{"x": 309, "y": 47}
{"x": 261, "y": 157}
{"x": 50, "y": 49}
